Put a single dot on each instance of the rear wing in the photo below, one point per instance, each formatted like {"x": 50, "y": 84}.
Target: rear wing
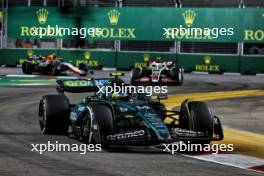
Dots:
{"x": 77, "y": 86}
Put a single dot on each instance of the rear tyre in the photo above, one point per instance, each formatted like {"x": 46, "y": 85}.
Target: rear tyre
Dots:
{"x": 54, "y": 112}
{"x": 83, "y": 67}
{"x": 55, "y": 68}
{"x": 203, "y": 120}
{"x": 26, "y": 68}
{"x": 177, "y": 75}
{"x": 135, "y": 73}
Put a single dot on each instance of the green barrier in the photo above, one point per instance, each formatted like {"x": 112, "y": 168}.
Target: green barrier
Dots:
{"x": 16, "y": 56}
{"x": 252, "y": 64}
{"x": 92, "y": 58}
{"x": 127, "y": 60}
{"x": 177, "y": 24}
{"x": 209, "y": 63}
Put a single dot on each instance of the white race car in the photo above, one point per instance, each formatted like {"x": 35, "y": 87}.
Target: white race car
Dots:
{"x": 161, "y": 73}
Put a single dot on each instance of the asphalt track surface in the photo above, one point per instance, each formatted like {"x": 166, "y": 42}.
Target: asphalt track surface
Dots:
{"x": 19, "y": 129}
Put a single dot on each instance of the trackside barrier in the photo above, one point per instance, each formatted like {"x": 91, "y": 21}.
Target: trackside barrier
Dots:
{"x": 11, "y": 57}
{"x": 210, "y": 63}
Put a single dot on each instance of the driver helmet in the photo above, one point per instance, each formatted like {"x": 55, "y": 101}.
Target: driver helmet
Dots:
{"x": 120, "y": 96}
{"x": 51, "y": 57}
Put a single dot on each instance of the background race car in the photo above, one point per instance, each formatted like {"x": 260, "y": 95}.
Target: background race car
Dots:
{"x": 157, "y": 73}
{"x": 131, "y": 119}
{"x": 51, "y": 65}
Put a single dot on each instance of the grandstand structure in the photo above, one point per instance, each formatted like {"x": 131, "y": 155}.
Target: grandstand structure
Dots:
{"x": 180, "y": 48}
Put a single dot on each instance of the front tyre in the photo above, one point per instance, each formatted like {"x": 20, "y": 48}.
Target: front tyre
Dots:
{"x": 104, "y": 118}
{"x": 54, "y": 112}
{"x": 203, "y": 120}
{"x": 177, "y": 75}
{"x": 86, "y": 129}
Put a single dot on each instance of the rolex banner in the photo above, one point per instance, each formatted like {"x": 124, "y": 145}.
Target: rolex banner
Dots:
{"x": 141, "y": 23}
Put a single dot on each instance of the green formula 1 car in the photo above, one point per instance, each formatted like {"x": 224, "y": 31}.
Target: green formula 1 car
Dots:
{"x": 133, "y": 119}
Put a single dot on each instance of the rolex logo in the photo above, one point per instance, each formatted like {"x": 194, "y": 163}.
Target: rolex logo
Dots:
{"x": 113, "y": 16}
{"x": 189, "y": 17}
{"x": 146, "y": 57}
{"x": 30, "y": 53}
{"x": 207, "y": 60}
{"x": 87, "y": 55}
{"x": 42, "y": 15}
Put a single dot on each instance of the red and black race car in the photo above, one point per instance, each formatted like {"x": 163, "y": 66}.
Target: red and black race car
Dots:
{"x": 156, "y": 72}
{"x": 51, "y": 65}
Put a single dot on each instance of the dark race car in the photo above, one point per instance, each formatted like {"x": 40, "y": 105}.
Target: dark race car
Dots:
{"x": 157, "y": 72}
{"x": 51, "y": 65}
{"x": 118, "y": 119}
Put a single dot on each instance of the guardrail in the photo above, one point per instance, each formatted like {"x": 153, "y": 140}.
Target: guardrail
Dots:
{"x": 212, "y": 63}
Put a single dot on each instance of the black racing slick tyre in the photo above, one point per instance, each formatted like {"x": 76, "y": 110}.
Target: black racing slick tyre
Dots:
{"x": 86, "y": 126}
{"x": 55, "y": 68}
{"x": 83, "y": 67}
{"x": 54, "y": 112}
{"x": 203, "y": 120}
{"x": 177, "y": 75}
{"x": 104, "y": 117}
{"x": 26, "y": 68}
{"x": 135, "y": 73}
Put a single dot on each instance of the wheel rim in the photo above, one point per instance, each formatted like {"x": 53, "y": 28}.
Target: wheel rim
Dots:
{"x": 180, "y": 76}
{"x": 86, "y": 128}
{"x": 42, "y": 116}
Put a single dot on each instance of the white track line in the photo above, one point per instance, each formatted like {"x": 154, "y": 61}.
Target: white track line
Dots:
{"x": 33, "y": 84}
{"x": 108, "y": 69}
{"x": 41, "y": 76}
{"x": 200, "y": 73}
{"x": 231, "y": 74}
{"x": 235, "y": 160}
